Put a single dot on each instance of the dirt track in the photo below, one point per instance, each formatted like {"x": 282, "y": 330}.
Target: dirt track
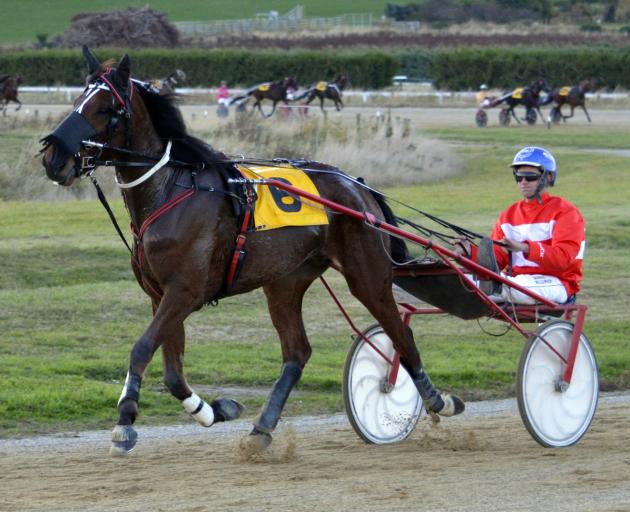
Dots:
{"x": 478, "y": 462}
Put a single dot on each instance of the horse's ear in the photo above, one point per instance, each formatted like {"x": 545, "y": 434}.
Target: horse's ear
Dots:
{"x": 92, "y": 62}
{"x": 123, "y": 70}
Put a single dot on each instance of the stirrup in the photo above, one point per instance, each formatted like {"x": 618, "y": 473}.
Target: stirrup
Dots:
{"x": 487, "y": 259}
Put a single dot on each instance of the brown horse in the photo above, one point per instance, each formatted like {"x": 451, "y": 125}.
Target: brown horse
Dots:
{"x": 278, "y": 91}
{"x": 322, "y": 90}
{"x": 574, "y": 96}
{"x": 185, "y": 226}
{"x": 529, "y": 97}
{"x": 9, "y": 91}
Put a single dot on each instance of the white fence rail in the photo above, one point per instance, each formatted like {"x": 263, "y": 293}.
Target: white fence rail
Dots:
{"x": 72, "y": 92}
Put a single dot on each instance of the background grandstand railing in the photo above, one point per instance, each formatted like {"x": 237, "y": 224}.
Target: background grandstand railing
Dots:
{"x": 272, "y": 21}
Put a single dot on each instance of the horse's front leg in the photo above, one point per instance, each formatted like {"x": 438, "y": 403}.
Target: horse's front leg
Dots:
{"x": 571, "y": 114}
{"x": 586, "y": 112}
{"x": 166, "y": 330}
{"x": 284, "y": 298}
{"x": 221, "y": 409}
{"x": 338, "y": 104}
{"x": 19, "y": 104}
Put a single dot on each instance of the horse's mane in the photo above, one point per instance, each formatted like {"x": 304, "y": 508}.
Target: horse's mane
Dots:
{"x": 169, "y": 125}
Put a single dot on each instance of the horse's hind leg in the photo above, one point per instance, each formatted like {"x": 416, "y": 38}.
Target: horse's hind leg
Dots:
{"x": 284, "y": 298}
{"x": 371, "y": 284}
{"x": 273, "y": 109}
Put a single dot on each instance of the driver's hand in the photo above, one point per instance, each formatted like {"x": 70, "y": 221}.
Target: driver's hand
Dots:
{"x": 507, "y": 244}
{"x": 461, "y": 246}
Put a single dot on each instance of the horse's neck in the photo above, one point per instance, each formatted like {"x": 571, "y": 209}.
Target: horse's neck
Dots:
{"x": 146, "y": 197}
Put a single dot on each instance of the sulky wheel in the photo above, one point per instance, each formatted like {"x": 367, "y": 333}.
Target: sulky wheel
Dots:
{"x": 222, "y": 110}
{"x": 378, "y": 412}
{"x": 481, "y": 118}
{"x": 504, "y": 117}
{"x": 530, "y": 116}
{"x": 556, "y": 417}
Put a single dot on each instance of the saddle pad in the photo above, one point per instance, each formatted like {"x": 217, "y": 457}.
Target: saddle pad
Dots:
{"x": 276, "y": 208}
{"x": 517, "y": 93}
{"x": 321, "y": 86}
{"x": 263, "y": 87}
{"x": 564, "y": 91}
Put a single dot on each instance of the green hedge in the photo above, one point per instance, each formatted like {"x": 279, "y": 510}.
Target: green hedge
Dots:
{"x": 367, "y": 69}
{"x": 466, "y": 68}
{"x": 449, "y": 68}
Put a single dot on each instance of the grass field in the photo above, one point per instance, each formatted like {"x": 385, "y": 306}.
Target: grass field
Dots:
{"x": 23, "y": 20}
{"x": 70, "y": 309}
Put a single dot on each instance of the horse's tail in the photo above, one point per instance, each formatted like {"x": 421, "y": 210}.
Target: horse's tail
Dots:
{"x": 400, "y": 253}
{"x": 248, "y": 93}
{"x": 303, "y": 95}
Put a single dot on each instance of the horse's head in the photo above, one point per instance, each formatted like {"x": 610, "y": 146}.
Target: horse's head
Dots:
{"x": 290, "y": 82}
{"x": 588, "y": 85}
{"x": 102, "y": 114}
{"x": 341, "y": 81}
{"x": 540, "y": 85}
{"x": 19, "y": 79}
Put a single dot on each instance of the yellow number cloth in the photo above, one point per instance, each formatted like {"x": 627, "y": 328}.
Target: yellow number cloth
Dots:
{"x": 276, "y": 208}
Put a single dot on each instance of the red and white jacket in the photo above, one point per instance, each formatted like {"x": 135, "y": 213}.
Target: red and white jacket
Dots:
{"x": 555, "y": 233}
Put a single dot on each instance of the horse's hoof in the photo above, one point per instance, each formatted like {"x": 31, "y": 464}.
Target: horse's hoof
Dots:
{"x": 453, "y": 405}
{"x": 260, "y": 440}
{"x": 124, "y": 439}
{"x": 226, "y": 409}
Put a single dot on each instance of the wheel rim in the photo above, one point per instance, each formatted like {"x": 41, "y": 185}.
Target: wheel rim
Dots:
{"x": 379, "y": 416}
{"x": 553, "y": 417}
{"x": 504, "y": 117}
{"x": 531, "y": 116}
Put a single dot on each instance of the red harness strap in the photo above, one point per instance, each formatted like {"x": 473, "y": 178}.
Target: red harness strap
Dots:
{"x": 239, "y": 253}
{"x": 137, "y": 236}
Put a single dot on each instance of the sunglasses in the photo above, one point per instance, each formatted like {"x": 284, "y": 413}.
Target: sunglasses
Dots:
{"x": 527, "y": 177}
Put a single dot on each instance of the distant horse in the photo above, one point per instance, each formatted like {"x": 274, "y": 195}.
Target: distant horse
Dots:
{"x": 9, "y": 91}
{"x": 528, "y": 96}
{"x": 278, "y": 91}
{"x": 167, "y": 85}
{"x": 574, "y": 96}
{"x": 322, "y": 90}
{"x": 188, "y": 232}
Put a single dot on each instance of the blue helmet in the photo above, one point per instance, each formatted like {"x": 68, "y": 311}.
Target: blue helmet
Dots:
{"x": 537, "y": 157}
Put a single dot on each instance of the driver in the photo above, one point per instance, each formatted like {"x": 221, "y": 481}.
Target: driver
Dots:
{"x": 482, "y": 95}
{"x": 541, "y": 237}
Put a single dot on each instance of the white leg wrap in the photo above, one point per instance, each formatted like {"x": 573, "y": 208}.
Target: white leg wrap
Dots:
{"x": 199, "y": 409}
